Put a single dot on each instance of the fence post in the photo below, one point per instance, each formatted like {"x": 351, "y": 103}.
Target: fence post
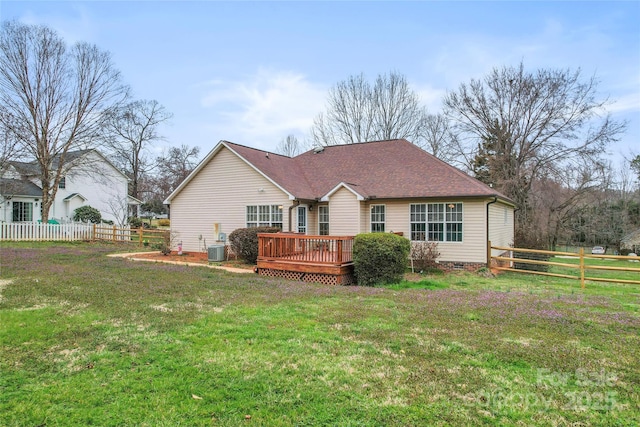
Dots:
{"x": 489, "y": 254}
{"x": 95, "y": 234}
{"x": 140, "y": 239}
{"x": 582, "y": 268}
{"x": 114, "y": 234}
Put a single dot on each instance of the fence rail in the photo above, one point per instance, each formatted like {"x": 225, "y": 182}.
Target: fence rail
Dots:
{"x": 33, "y": 232}
{"x": 515, "y": 256}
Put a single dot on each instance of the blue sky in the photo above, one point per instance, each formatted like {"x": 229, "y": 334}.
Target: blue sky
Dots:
{"x": 255, "y": 72}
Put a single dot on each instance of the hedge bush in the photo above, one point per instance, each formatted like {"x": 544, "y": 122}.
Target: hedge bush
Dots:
{"x": 87, "y": 214}
{"x": 380, "y": 258}
{"x": 244, "y": 242}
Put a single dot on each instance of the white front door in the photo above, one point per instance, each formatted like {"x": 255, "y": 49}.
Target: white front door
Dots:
{"x": 301, "y": 221}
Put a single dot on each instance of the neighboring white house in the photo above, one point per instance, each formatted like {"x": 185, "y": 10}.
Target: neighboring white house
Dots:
{"x": 342, "y": 190}
{"x": 88, "y": 179}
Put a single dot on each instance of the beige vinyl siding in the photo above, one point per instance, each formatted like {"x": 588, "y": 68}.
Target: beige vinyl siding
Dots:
{"x": 219, "y": 193}
{"x": 344, "y": 213}
{"x": 364, "y": 217}
{"x": 473, "y": 246}
{"x": 312, "y": 220}
{"x": 474, "y": 234}
{"x": 396, "y": 215}
{"x": 501, "y": 217}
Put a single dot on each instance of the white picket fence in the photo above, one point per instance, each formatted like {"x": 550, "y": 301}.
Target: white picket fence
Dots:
{"x": 33, "y": 231}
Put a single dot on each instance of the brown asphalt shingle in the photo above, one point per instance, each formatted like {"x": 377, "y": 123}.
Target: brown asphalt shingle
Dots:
{"x": 381, "y": 169}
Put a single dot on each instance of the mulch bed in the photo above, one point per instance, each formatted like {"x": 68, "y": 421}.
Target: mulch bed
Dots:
{"x": 195, "y": 257}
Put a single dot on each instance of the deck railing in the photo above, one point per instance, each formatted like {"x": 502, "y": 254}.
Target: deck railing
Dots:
{"x": 300, "y": 248}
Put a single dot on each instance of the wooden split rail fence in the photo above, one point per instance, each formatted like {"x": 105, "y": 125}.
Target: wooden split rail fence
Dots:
{"x": 33, "y": 232}
{"x": 510, "y": 258}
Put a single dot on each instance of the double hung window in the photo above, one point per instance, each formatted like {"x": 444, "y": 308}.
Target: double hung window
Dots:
{"x": 436, "y": 222}
{"x": 323, "y": 220}
{"x": 377, "y": 218}
{"x": 264, "y": 216}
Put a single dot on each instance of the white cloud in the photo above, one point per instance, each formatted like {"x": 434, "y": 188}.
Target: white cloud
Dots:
{"x": 73, "y": 28}
{"x": 265, "y": 107}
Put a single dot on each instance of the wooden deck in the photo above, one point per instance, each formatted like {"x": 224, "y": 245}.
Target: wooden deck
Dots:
{"x": 324, "y": 259}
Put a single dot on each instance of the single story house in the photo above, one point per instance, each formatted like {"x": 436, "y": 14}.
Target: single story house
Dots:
{"x": 342, "y": 190}
{"x": 89, "y": 178}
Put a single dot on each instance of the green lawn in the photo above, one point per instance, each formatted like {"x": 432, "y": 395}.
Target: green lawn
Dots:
{"x": 91, "y": 340}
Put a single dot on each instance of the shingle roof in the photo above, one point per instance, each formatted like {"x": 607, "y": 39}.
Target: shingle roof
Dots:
{"x": 19, "y": 187}
{"x": 32, "y": 168}
{"x": 381, "y": 169}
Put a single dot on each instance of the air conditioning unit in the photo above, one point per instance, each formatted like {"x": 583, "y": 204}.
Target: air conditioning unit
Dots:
{"x": 215, "y": 253}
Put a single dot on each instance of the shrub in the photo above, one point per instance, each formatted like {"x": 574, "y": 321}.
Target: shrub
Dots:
{"x": 244, "y": 242}
{"x": 164, "y": 222}
{"x": 165, "y": 245}
{"x": 87, "y": 214}
{"x": 424, "y": 255}
{"x": 135, "y": 222}
{"x": 380, "y": 258}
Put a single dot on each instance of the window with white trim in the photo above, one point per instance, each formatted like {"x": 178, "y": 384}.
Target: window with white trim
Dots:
{"x": 377, "y": 218}
{"x": 302, "y": 219}
{"x": 22, "y": 211}
{"x": 323, "y": 220}
{"x": 436, "y": 222}
{"x": 62, "y": 184}
{"x": 264, "y": 216}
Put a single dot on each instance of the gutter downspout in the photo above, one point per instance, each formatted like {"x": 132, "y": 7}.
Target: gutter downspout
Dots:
{"x": 495, "y": 199}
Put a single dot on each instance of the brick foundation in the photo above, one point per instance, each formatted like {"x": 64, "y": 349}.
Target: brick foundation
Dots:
{"x": 461, "y": 266}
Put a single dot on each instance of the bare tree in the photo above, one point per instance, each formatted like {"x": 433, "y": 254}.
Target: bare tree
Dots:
{"x": 173, "y": 167}
{"x": 635, "y": 165}
{"x": 53, "y": 97}
{"x": 438, "y": 138}
{"x": 289, "y": 146}
{"x": 360, "y": 112}
{"x": 129, "y": 132}
{"x": 559, "y": 197}
{"x": 525, "y": 126}
{"x": 119, "y": 207}
{"x": 10, "y": 148}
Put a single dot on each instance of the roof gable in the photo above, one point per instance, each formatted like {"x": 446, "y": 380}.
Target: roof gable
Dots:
{"x": 73, "y": 196}
{"x": 380, "y": 169}
{"x": 344, "y": 185}
{"x": 72, "y": 159}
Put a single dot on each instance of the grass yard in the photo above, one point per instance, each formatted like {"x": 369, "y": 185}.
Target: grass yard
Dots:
{"x": 91, "y": 340}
